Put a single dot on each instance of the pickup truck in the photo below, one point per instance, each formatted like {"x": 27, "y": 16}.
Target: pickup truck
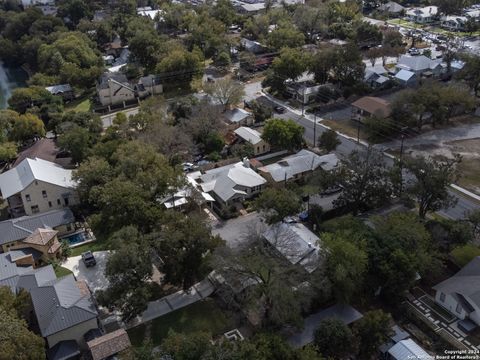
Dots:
{"x": 88, "y": 259}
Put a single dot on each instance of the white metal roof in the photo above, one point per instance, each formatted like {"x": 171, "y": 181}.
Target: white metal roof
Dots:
{"x": 17, "y": 179}
{"x": 248, "y": 134}
{"x": 408, "y": 349}
{"x": 404, "y": 75}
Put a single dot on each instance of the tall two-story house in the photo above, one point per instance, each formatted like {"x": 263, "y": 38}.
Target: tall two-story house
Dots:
{"x": 36, "y": 186}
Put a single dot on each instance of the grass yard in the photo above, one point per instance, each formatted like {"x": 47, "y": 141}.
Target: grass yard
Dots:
{"x": 99, "y": 244}
{"x": 347, "y": 127}
{"x": 470, "y": 175}
{"x": 201, "y": 316}
{"x": 61, "y": 271}
{"x": 80, "y": 105}
{"x": 462, "y": 255}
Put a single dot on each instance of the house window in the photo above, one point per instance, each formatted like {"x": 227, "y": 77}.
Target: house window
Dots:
{"x": 49, "y": 204}
{"x": 59, "y": 202}
{"x": 459, "y": 308}
{"x": 35, "y": 209}
{"x": 442, "y": 297}
{"x": 44, "y": 193}
{"x": 66, "y": 201}
{"x": 27, "y": 197}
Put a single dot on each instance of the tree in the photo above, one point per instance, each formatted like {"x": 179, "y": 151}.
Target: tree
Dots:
{"x": 180, "y": 66}
{"x": 348, "y": 68}
{"x": 365, "y": 181}
{"x": 185, "y": 347}
{"x": 24, "y": 98}
{"x": 75, "y": 10}
{"x": 183, "y": 244}
{"x": 8, "y": 151}
{"x": 128, "y": 270}
{"x": 471, "y": 72}
{"x": 144, "y": 48}
{"x": 346, "y": 264}
{"x": 309, "y": 20}
{"x": 289, "y": 65}
{"x": 17, "y": 342}
{"x": 226, "y": 91}
{"x": 373, "y": 330}
{"x": 450, "y": 7}
{"x": 430, "y": 182}
{"x": 267, "y": 286}
{"x": 334, "y": 339}
{"x": 224, "y": 11}
{"x": 285, "y": 134}
{"x": 261, "y": 112}
{"x": 322, "y": 65}
{"x": 474, "y": 219}
{"x": 28, "y": 126}
{"x": 276, "y": 204}
{"x": 285, "y": 35}
{"x": 329, "y": 140}
{"x": 77, "y": 141}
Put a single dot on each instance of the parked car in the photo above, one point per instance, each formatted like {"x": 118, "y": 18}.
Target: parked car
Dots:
{"x": 331, "y": 190}
{"x": 88, "y": 259}
{"x": 279, "y": 109}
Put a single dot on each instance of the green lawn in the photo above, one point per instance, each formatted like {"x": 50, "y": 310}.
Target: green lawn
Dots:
{"x": 61, "y": 271}
{"x": 201, "y": 316}
{"x": 464, "y": 254}
{"x": 80, "y": 105}
{"x": 97, "y": 245}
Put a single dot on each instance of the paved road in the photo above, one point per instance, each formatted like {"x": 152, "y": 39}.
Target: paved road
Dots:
{"x": 347, "y": 145}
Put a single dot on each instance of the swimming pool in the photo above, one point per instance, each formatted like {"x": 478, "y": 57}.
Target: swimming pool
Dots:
{"x": 77, "y": 238}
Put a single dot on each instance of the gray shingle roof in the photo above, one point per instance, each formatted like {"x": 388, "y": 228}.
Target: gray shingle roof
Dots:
{"x": 64, "y": 350}
{"x": 19, "y": 228}
{"x": 417, "y": 63}
{"x": 59, "y": 304}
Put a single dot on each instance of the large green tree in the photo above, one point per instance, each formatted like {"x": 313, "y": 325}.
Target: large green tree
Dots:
{"x": 334, "y": 339}
{"x": 276, "y": 204}
{"x": 285, "y": 134}
{"x": 373, "y": 330}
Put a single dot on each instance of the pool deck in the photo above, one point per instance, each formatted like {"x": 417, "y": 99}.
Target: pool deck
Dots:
{"x": 90, "y": 239}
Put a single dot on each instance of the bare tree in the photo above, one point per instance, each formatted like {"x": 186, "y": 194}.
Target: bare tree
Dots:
{"x": 226, "y": 91}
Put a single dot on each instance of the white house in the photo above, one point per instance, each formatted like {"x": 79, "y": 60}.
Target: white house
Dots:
{"x": 423, "y": 15}
{"x": 420, "y": 65}
{"x": 460, "y": 294}
{"x": 296, "y": 166}
{"x": 36, "y": 186}
{"x": 455, "y": 23}
{"x": 296, "y": 243}
{"x": 231, "y": 183}
{"x": 254, "y": 138}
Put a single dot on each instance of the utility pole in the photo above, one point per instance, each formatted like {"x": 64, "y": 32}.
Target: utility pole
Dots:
{"x": 358, "y": 132}
{"x": 401, "y": 165}
{"x": 314, "y": 129}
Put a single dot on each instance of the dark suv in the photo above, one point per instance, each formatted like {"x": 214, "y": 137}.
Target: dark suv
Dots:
{"x": 88, "y": 259}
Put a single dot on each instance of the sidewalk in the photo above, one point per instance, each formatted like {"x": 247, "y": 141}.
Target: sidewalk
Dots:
{"x": 174, "y": 302}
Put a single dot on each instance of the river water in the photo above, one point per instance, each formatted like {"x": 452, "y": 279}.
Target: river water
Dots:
{"x": 10, "y": 78}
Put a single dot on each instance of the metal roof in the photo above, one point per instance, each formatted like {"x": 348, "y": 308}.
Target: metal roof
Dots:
{"x": 417, "y": 63}
{"x": 59, "y": 304}
{"x": 64, "y": 350}
{"x": 408, "y": 349}
{"x": 404, "y": 75}
{"x": 59, "y": 89}
{"x": 299, "y": 163}
{"x": 17, "y": 179}
{"x": 10, "y": 272}
{"x": 22, "y": 227}
{"x": 248, "y": 134}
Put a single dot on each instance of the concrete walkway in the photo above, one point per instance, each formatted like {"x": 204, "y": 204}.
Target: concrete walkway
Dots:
{"x": 174, "y": 302}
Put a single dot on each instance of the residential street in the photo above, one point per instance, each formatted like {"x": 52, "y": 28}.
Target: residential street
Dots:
{"x": 347, "y": 145}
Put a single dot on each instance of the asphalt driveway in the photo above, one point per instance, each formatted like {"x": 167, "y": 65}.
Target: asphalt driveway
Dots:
{"x": 237, "y": 230}
{"x": 94, "y": 276}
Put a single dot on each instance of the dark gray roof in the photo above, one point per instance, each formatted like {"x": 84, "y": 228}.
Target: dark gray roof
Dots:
{"x": 64, "y": 350}
{"x": 117, "y": 77}
{"x": 10, "y": 272}
{"x": 36, "y": 277}
{"x": 59, "y": 89}
{"x": 344, "y": 313}
{"x": 20, "y": 253}
{"x": 59, "y": 305}
{"x": 19, "y": 228}
{"x": 466, "y": 283}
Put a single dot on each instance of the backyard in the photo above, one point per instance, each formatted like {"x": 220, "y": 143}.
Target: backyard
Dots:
{"x": 462, "y": 255}
{"x": 204, "y": 315}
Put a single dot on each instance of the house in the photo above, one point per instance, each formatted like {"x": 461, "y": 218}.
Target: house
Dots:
{"x": 28, "y": 3}
{"x": 406, "y": 78}
{"x": 345, "y": 313}
{"x": 44, "y": 149}
{"x": 296, "y": 166}
{"x": 460, "y": 294}
{"x": 37, "y": 186}
{"x": 253, "y": 47}
{"x": 251, "y": 9}
{"x": 63, "y": 90}
{"x": 64, "y": 310}
{"x": 375, "y": 76}
{"x": 149, "y": 85}
{"x": 63, "y": 307}
{"x": 304, "y": 92}
{"x": 420, "y": 65}
{"x": 296, "y": 243}
{"x": 454, "y": 23}
{"x": 230, "y": 184}
{"x": 408, "y": 349}
{"x": 108, "y": 345}
{"x": 238, "y": 117}
{"x": 392, "y": 8}
{"x": 15, "y": 231}
{"x": 422, "y": 15}
{"x": 114, "y": 88}
{"x": 369, "y": 106}
{"x": 254, "y": 138}
{"x": 147, "y": 11}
